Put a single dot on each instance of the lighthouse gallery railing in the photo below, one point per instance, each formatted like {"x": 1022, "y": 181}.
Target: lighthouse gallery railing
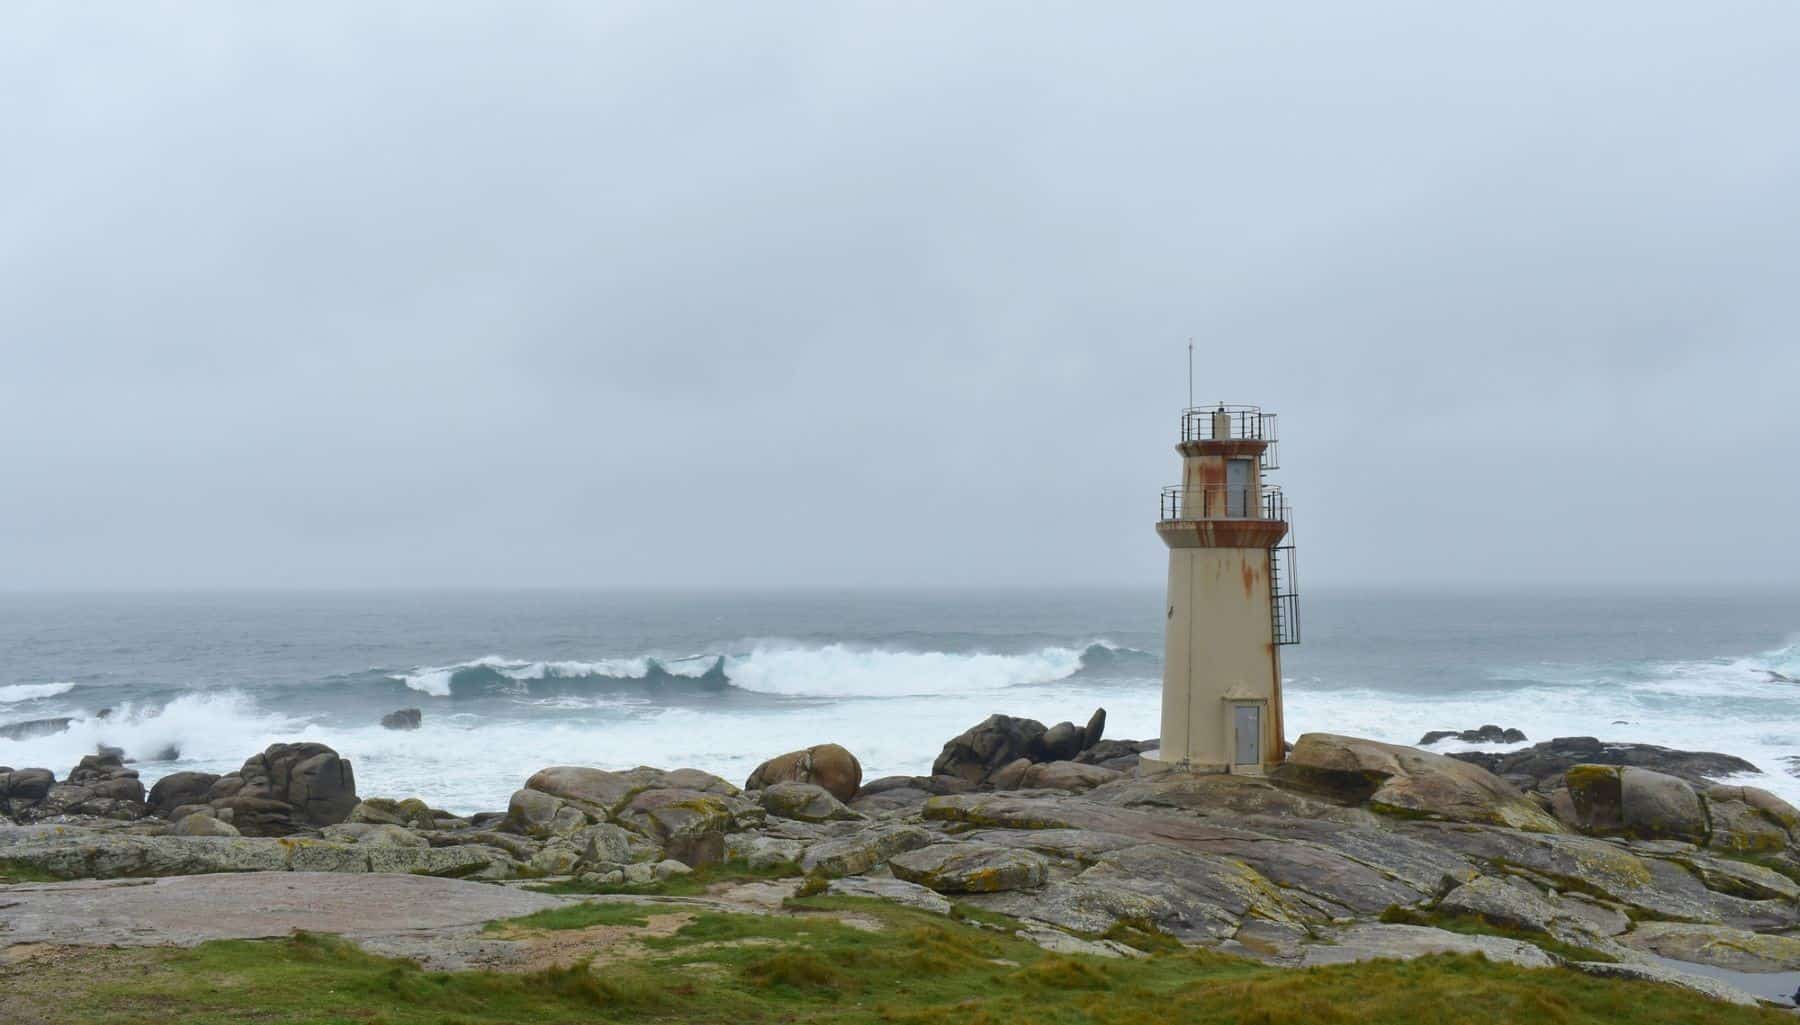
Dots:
{"x": 1223, "y": 502}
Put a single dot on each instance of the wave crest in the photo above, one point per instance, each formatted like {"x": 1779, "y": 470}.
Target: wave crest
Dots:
{"x": 778, "y": 668}
{"x": 27, "y": 691}
{"x": 211, "y": 725}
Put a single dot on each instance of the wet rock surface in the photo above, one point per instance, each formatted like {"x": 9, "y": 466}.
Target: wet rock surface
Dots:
{"x": 1308, "y": 865}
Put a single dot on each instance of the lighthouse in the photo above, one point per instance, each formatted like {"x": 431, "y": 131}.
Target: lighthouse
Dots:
{"x": 1231, "y": 602}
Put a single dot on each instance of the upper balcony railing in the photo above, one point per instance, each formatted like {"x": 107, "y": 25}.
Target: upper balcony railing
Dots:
{"x": 1223, "y": 502}
{"x": 1221, "y": 422}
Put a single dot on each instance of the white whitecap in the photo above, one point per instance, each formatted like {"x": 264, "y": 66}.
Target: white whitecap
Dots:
{"x": 841, "y": 671}
{"x": 27, "y": 691}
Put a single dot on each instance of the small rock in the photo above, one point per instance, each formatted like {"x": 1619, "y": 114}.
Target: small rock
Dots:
{"x": 1501, "y": 902}
{"x": 604, "y": 843}
{"x": 1072, "y": 776}
{"x": 372, "y": 834}
{"x": 202, "y": 825}
{"x": 805, "y": 802}
{"x": 1656, "y": 973}
{"x": 1368, "y": 942}
{"x": 970, "y": 867}
{"x": 1010, "y": 775}
{"x": 1095, "y": 729}
{"x": 826, "y": 765}
{"x": 1059, "y": 743}
{"x": 762, "y": 852}
{"x": 899, "y": 891}
{"x": 411, "y": 813}
{"x": 1488, "y": 734}
{"x": 856, "y": 854}
{"x": 403, "y": 719}
{"x": 557, "y": 858}
{"x": 669, "y": 868}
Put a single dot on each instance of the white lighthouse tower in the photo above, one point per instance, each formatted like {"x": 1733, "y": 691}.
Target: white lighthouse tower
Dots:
{"x": 1231, "y": 602}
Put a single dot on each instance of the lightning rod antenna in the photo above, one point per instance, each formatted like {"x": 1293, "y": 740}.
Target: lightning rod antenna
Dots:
{"x": 1190, "y": 373}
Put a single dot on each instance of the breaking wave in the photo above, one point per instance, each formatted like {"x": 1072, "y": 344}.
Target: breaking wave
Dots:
{"x": 777, "y": 668}
{"x": 27, "y": 691}
{"x": 208, "y": 726}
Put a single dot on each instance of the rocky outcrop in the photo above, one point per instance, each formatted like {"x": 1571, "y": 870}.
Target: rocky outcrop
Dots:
{"x": 1606, "y": 800}
{"x": 825, "y": 765}
{"x": 1541, "y": 766}
{"x": 978, "y": 754}
{"x": 985, "y": 748}
{"x": 309, "y": 778}
{"x": 1489, "y": 734}
{"x": 100, "y": 786}
{"x": 403, "y": 719}
{"x": 1408, "y": 782}
{"x": 682, "y": 814}
{"x": 286, "y": 790}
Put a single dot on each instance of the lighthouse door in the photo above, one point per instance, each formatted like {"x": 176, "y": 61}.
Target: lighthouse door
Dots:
{"x": 1247, "y": 721}
{"x": 1237, "y": 488}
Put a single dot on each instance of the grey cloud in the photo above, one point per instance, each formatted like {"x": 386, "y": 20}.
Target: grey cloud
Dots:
{"x": 859, "y": 294}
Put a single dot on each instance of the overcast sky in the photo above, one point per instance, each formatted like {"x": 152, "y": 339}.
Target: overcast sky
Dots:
{"x": 893, "y": 294}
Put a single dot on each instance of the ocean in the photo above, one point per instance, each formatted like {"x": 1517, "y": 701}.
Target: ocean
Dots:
{"x": 510, "y": 682}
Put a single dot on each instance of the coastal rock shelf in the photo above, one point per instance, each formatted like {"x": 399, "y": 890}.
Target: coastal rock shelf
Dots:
{"x": 1349, "y": 849}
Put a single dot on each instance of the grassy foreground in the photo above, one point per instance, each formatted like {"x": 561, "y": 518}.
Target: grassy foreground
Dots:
{"x": 833, "y": 965}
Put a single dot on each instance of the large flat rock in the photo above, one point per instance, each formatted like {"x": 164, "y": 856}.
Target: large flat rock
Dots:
{"x": 188, "y": 910}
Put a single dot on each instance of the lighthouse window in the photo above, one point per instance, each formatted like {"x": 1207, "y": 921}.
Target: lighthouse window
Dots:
{"x": 1237, "y": 487}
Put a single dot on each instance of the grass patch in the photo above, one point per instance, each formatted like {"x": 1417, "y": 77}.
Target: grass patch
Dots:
{"x": 19, "y": 872}
{"x": 981, "y": 916}
{"x": 576, "y": 916}
{"x": 1480, "y": 925}
{"x": 1142, "y": 934}
{"x": 1774, "y": 862}
{"x": 693, "y": 884}
{"x": 732, "y": 969}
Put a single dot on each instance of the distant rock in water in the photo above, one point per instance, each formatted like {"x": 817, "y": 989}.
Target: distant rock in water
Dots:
{"x": 1541, "y": 766}
{"x": 1489, "y": 734}
{"x": 403, "y": 719}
